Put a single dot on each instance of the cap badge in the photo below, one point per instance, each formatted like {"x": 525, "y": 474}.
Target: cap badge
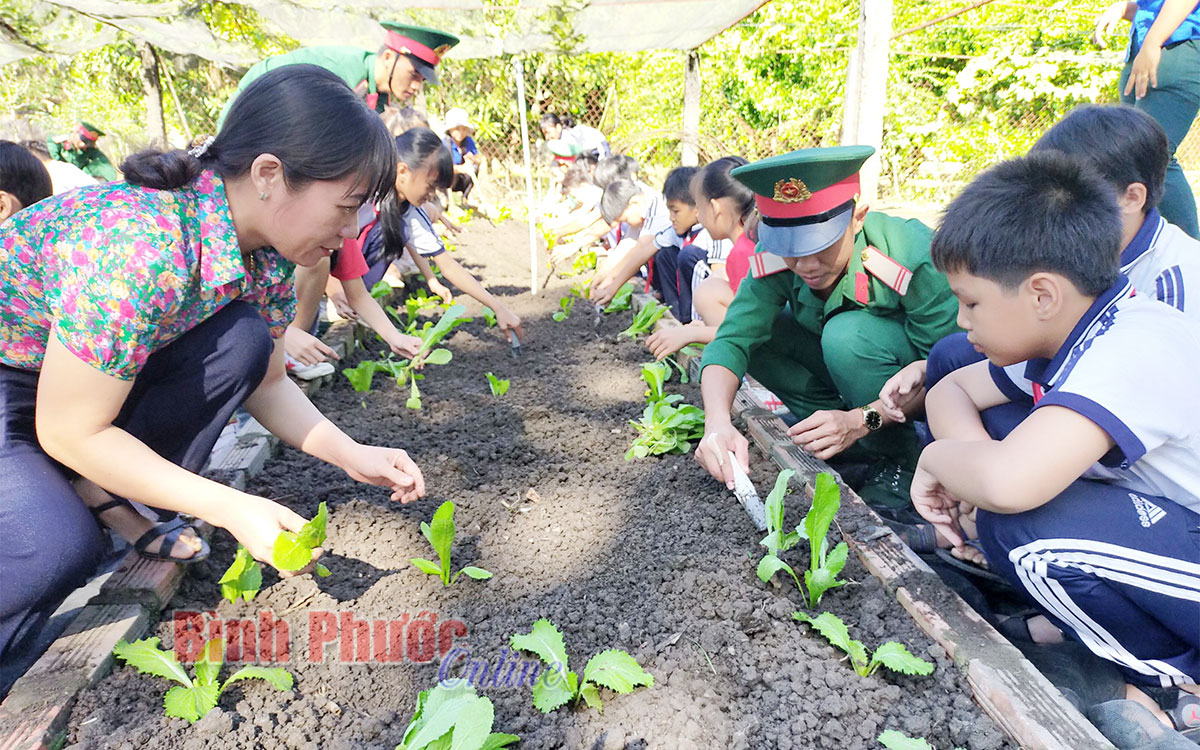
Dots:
{"x": 791, "y": 191}
{"x": 439, "y": 51}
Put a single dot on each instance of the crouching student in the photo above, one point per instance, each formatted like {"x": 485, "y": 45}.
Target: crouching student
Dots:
{"x": 725, "y": 208}
{"x": 641, "y": 214}
{"x": 684, "y": 236}
{"x": 1091, "y": 504}
{"x": 23, "y": 179}
{"x": 138, "y": 315}
{"x": 1130, "y": 150}
{"x": 838, "y": 300}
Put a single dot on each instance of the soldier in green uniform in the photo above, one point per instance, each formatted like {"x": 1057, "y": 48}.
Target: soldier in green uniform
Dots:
{"x": 407, "y": 60}
{"x": 79, "y": 148}
{"x": 838, "y": 300}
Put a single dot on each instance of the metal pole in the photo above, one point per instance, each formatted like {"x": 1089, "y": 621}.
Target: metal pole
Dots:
{"x": 519, "y": 71}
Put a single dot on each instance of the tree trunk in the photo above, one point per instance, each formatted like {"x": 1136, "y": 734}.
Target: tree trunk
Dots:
{"x": 156, "y": 124}
{"x": 691, "y": 111}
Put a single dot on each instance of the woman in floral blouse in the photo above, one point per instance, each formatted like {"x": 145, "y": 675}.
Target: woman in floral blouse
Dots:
{"x": 136, "y": 316}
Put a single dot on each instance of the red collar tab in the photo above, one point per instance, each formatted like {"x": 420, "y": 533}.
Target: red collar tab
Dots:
{"x": 793, "y": 201}
{"x": 401, "y": 43}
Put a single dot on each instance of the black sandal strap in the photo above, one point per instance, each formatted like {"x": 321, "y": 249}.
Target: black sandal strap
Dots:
{"x": 169, "y": 530}
{"x": 115, "y": 503}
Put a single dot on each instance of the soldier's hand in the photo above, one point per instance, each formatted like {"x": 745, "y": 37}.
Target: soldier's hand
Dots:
{"x": 713, "y": 451}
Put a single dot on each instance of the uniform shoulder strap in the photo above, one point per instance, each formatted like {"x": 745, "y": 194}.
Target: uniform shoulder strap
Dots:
{"x": 887, "y": 270}
{"x": 765, "y": 264}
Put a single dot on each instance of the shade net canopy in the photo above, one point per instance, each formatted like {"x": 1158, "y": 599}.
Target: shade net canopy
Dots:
{"x": 67, "y": 27}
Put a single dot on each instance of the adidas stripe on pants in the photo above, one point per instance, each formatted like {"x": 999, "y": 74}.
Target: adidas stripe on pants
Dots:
{"x": 1117, "y": 570}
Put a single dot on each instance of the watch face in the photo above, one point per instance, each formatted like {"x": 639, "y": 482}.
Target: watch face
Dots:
{"x": 872, "y": 419}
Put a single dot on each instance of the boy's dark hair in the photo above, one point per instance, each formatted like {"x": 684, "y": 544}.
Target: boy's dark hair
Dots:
{"x": 678, "y": 185}
{"x": 587, "y": 160}
{"x": 577, "y": 175}
{"x": 616, "y": 199}
{"x": 22, "y": 174}
{"x": 713, "y": 182}
{"x": 287, "y": 112}
{"x": 615, "y": 167}
{"x": 1123, "y": 144}
{"x": 1045, "y": 212}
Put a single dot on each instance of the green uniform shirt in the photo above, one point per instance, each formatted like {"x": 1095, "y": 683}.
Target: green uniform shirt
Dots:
{"x": 91, "y": 159}
{"x": 928, "y": 310}
{"x": 354, "y": 65}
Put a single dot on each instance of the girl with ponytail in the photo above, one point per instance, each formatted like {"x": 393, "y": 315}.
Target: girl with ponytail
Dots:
{"x": 726, "y": 209}
{"x": 136, "y": 316}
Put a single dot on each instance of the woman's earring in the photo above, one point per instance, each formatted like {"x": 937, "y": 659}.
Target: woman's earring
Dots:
{"x": 262, "y": 196}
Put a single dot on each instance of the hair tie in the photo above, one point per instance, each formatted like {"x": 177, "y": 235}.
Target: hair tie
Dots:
{"x": 201, "y": 148}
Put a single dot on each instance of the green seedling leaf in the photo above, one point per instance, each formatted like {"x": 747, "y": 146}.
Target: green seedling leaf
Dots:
{"x": 544, "y": 641}
{"x": 190, "y": 704}
{"x": 622, "y": 300}
{"x": 381, "y": 289}
{"x": 835, "y": 631}
{"x": 896, "y": 657}
{"x": 499, "y": 387}
{"x": 293, "y": 551}
{"x": 281, "y": 679}
{"x": 617, "y": 671}
{"x": 823, "y": 565}
{"x": 665, "y": 428}
{"x": 450, "y": 319}
{"x": 146, "y": 657}
{"x": 591, "y": 696}
{"x": 644, "y": 321}
{"x": 776, "y": 541}
{"x": 489, "y": 317}
{"x": 893, "y": 740}
{"x": 497, "y": 740}
{"x": 208, "y": 666}
{"x": 322, "y": 571}
{"x": 554, "y": 689}
{"x": 655, "y": 374}
{"x": 243, "y": 577}
{"x": 770, "y": 565}
{"x": 360, "y": 377}
{"x": 566, "y": 305}
{"x": 312, "y": 533}
{"x": 440, "y": 534}
{"x": 439, "y": 357}
{"x": 479, "y": 574}
{"x": 414, "y": 397}
{"x": 453, "y": 718}
{"x": 426, "y": 566}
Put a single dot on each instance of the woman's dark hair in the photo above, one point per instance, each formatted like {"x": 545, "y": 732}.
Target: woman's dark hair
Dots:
{"x": 1124, "y": 144}
{"x": 414, "y": 149}
{"x": 304, "y": 115}
{"x": 712, "y": 182}
{"x": 564, "y": 120}
{"x": 22, "y": 174}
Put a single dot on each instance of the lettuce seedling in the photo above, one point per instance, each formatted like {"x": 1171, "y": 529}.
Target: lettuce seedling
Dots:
{"x": 489, "y": 317}
{"x": 644, "y": 321}
{"x": 243, "y": 578}
{"x": 566, "y": 304}
{"x": 823, "y": 565}
{"x": 613, "y": 669}
{"x": 622, "y": 300}
{"x": 499, "y": 387}
{"x": 440, "y": 534}
{"x": 893, "y": 740}
{"x": 453, "y": 718}
{"x": 666, "y": 428}
{"x": 656, "y": 375}
{"x": 777, "y": 540}
{"x": 291, "y": 551}
{"x": 405, "y": 371}
{"x": 892, "y": 654}
{"x": 381, "y": 289}
{"x": 192, "y": 698}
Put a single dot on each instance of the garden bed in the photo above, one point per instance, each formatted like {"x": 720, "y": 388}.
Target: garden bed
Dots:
{"x": 651, "y": 556}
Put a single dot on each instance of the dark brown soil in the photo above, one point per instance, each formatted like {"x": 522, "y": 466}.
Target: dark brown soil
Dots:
{"x": 650, "y": 556}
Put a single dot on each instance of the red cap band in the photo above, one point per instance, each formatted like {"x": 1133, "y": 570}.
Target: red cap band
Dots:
{"x": 404, "y": 44}
{"x": 91, "y": 135}
{"x": 820, "y": 202}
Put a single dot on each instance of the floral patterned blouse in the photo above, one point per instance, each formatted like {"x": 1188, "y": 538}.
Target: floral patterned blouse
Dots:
{"x": 118, "y": 271}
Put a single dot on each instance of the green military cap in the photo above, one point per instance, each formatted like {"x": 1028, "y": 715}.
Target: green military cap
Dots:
{"x": 806, "y": 198}
{"x": 563, "y": 150}
{"x": 88, "y": 131}
{"x": 424, "y": 46}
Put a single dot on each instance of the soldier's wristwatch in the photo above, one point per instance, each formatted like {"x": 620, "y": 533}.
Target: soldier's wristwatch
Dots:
{"x": 872, "y": 419}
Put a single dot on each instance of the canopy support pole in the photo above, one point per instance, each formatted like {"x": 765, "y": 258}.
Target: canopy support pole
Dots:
{"x": 519, "y": 72}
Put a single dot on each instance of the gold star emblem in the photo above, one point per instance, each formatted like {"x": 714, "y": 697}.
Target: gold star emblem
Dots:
{"x": 439, "y": 51}
{"x": 792, "y": 190}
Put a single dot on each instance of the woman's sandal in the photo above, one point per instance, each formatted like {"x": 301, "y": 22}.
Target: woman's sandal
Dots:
{"x": 169, "y": 531}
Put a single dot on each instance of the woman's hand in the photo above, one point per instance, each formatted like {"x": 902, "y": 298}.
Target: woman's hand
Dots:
{"x": 306, "y": 348}
{"x": 1143, "y": 75}
{"x": 1107, "y": 21}
{"x": 386, "y": 467}
{"x": 666, "y": 341}
{"x": 902, "y": 390}
{"x": 256, "y": 522}
{"x": 825, "y": 434}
